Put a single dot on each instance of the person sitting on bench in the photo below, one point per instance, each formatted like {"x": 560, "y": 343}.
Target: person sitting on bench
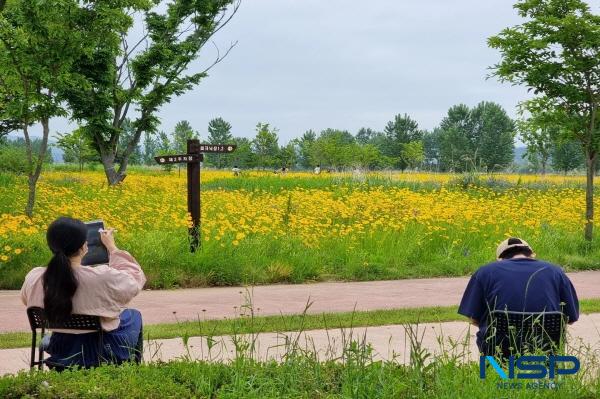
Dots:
{"x": 517, "y": 282}
{"x": 65, "y": 287}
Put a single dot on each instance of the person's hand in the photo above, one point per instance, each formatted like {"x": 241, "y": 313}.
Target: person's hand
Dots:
{"x": 108, "y": 239}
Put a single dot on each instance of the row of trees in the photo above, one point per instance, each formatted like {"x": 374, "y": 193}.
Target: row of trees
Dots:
{"x": 479, "y": 138}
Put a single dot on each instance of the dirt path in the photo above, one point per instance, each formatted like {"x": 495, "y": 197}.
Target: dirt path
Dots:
{"x": 387, "y": 342}
{"x": 216, "y": 303}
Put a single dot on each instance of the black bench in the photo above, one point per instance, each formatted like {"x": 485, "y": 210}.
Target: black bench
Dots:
{"x": 515, "y": 333}
{"x": 37, "y": 320}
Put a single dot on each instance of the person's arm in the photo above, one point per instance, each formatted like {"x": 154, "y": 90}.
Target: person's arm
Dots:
{"x": 27, "y": 286}
{"x": 472, "y": 304}
{"x": 125, "y": 277}
{"x": 568, "y": 299}
{"x": 24, "y": 292}
{"x": 124, "y": 262}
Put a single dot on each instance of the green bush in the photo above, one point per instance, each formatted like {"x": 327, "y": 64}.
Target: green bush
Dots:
{"x": 13, "y": 159}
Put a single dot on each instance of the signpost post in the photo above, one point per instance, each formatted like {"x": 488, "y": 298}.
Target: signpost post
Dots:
{"x": 193, "y": 158}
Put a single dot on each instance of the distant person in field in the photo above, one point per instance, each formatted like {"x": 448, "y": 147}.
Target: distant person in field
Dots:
{"x": 65, "y": 287}
{"x": 517, "y": 282}
{"x": 318, "y": 169}
{"x": 236, "y": 171}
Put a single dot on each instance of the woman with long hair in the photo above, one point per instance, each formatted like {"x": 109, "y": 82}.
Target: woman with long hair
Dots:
{"x": 66, "y": 287}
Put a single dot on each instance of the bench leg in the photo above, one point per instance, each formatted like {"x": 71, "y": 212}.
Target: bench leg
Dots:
{"x": 140, "y": 346}
{"x": 41, "y": 350}
{"x": 33, "y": 340}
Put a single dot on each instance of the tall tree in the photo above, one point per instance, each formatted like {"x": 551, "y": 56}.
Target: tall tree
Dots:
{"x": 150, "y": 149}
{"x": 181, "y": 134}
{"x": 144, "y": 75}
{"x": 76, "y": 147}
{"x": 219, "y": 132}
{"x": 265, "y": 145}
{"x": 431, "y": 148}
{"x": 539, "y": 134}
{"x": 567, "y": 156}
{"x": 413, "y": 154}
{"x": 287, "y": 155}
{"x": 477, "y": 138}
{"x": 40, "y": 42}
{"x": 368, "y": 156}
{"x": 243, "y": 156}
{"x": 334, "y": 148}
{"x": 495, "y": 133}
{"x": 365, "y": 135}
{"x": 400, "y": 131}
{"x": 556, "y": 53}
{"x": 457, "y": 144}
{"x": 164, "y": 146}
{"x": 305, "y": 144}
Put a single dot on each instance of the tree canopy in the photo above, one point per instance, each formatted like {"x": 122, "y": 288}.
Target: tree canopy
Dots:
{"x": 555, "y": 53}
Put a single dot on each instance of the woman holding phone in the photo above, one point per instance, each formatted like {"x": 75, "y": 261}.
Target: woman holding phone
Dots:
{"x": 65, "y": 287}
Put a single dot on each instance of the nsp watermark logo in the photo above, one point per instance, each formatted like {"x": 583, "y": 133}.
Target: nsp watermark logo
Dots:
{"x": 532, "y": 366}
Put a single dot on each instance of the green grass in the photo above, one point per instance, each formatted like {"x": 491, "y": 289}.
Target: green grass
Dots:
{"x": 298, "y": 375}
{"x": 274, "y": 183}
{"x": 167, "y": 262}
{"x": 257, "y": 324}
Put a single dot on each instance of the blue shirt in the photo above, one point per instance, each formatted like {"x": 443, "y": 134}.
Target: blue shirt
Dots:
{"x": 518, "y": 285}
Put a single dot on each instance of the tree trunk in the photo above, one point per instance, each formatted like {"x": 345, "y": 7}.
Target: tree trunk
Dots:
{"x": 34, "y": 171}
{"x": 32, "y": 182}
{"x": 126, "y": 154}
{"x": 591, "y": 158}
{"x": 108, "y": 161}
{"x": 543, "y": 167}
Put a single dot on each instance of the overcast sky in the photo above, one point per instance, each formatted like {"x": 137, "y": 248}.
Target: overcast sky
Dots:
{"x": 314, "y": 64}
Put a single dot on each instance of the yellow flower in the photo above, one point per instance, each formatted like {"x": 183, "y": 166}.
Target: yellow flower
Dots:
{"x": 7, "y": 248}
{"x": 4, "y": 258}
{"x": 240, "y": 236}
{"x": 18, "y": 251}
{"x": 236, "y": 242}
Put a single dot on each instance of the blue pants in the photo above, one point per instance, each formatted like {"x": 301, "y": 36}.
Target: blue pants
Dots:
{"x": 83, "y": 349}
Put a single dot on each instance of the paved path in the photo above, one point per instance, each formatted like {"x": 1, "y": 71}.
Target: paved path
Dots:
{"x": 387, "y": 341}
{"x": 215, "y": 303}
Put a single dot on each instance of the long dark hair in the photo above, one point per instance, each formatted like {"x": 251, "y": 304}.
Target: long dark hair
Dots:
{"x": 65, "y": 236}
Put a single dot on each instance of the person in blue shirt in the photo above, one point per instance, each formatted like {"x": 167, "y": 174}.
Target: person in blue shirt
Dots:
{"x": 517, "y": 282}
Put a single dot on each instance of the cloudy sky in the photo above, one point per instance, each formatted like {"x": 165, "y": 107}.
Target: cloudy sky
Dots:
{"x": 314, "y": 64}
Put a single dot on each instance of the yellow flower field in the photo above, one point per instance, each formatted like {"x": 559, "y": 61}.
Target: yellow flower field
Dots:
{"x": 156, "y": 202}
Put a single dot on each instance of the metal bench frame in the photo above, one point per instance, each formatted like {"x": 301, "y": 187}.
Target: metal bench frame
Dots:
{"x": 37, "y": 320}
{"x": 520, "y": 332}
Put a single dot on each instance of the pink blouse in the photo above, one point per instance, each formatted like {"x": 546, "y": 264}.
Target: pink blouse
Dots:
{"x": 103, "y": 290}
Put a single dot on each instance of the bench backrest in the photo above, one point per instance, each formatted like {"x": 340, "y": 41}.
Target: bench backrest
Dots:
{"x": 524, "y": 332}
{"x": 37, "y": 319}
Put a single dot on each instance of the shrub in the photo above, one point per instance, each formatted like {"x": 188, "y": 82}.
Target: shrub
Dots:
{"x": 13, "y": 159}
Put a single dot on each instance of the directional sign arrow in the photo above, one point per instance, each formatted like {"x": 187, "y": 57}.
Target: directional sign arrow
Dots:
{"x": 178, "y": 158}
{"x": 217, "y": 148}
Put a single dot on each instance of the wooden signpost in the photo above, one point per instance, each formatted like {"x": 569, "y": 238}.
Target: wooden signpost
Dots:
{"x": 193, "y": 158}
